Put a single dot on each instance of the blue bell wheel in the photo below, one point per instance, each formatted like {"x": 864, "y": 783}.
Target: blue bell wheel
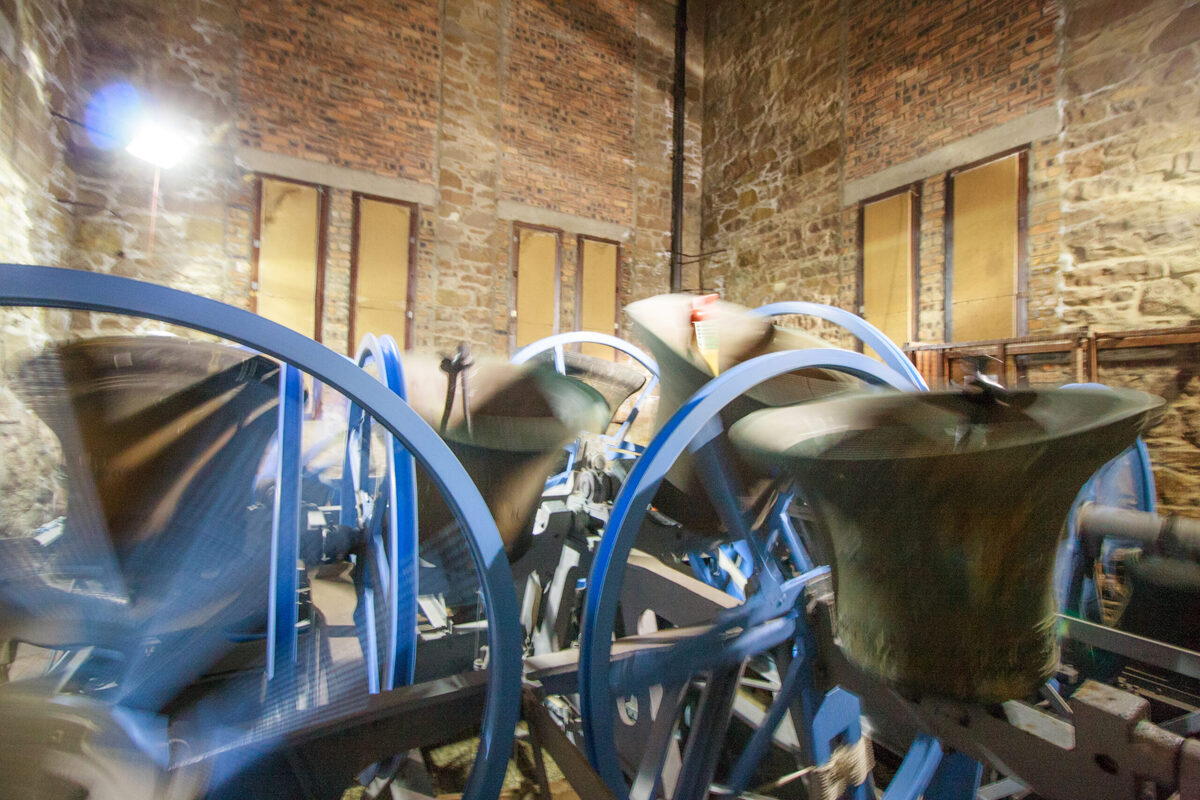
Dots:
{"x": 706, "y": 693}
{"x": 113, "y": 666}
{"x": 729, "y": 567}
{"x": 1088, "y": 578}
{"x": 381, "y": 501}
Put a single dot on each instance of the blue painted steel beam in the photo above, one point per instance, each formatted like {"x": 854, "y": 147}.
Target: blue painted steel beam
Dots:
{"x": 403, "y": 538}
{"x": 839, "y": 717}
{"x": 916, "y": 771}
{"x": 283, "y": 596}
{"x": 558, "y": 340}
{"x": 957, "y": 778}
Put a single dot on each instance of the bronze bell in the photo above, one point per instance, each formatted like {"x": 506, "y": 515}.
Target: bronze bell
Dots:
{"x": 664, "y": 325}
{"x": 144, "y": 422}
{"x": 614, "y": 380}
{"x": 941, "y": 512}
{"x": 521, "y": 417}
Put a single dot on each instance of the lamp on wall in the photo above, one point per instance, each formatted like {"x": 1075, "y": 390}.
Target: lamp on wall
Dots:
{"x": 163, "y": 145}
{"x": 160, "y": 143}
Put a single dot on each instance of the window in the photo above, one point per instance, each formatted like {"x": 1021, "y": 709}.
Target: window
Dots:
{"x": 886, "y": 283}
{"x": 537, "y": 273}
{"x": 382, "y": 260}
{"x": 596, "y": 291}
{"x": 287, "y": 284}
{"x": 985, "y": 250}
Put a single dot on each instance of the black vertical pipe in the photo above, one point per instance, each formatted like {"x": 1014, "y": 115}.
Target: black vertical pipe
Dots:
{"x": 680, "y": 97}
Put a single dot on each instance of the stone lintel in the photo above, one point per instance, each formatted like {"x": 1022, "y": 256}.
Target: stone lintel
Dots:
{"x": 337, "y": 177}
{"x": 570, "y": 223}
{"x": 1040, "y": 124}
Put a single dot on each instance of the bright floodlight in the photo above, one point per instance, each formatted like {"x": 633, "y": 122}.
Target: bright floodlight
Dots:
{"x": 161, "y": 145}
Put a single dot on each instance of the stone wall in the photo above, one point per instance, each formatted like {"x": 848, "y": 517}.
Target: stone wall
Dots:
{"x": 181, "y": 57}
{"x": 1103, "y": 93}
{"x": 1113, "y": 212}
{"x": 804, "y": 97}
{"x": 39, "y": 72}
{"x": 774, "y": 96}
{"x": 1131, "y": 163}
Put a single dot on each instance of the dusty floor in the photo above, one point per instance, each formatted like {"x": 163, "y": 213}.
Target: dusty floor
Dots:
{"x": 449, "y": 765}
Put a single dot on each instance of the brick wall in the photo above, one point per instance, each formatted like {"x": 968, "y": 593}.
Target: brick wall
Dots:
{"x": 647, "y": 258}
{"x": 568, "y": 110}
{"x": 924, "y": 73}
{"x": 347, "y": 82}
{"x": 545, "y": 105}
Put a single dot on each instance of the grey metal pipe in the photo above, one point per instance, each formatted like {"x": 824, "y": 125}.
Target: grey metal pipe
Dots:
{"x": 1169, "y": 535}
{"x": 679, "y": 99}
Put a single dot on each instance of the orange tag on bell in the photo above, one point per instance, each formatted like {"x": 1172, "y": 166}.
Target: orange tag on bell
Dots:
{"x": 706, "y": 331}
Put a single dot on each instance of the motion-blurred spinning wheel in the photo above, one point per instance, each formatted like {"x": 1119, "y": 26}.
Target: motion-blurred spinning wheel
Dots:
{"x": 181, "y": 654}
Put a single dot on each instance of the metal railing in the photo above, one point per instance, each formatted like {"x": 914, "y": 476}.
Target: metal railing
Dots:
{"x": 1011, "y": 359}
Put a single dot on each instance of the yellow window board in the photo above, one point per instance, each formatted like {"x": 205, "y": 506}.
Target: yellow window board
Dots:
{"x": 598, "y": 293}
{"x": 287, "y": 255}
{"x": 381, "y": 277}
{"x": 984, "y": 273}
{"x": 537, "y": 265}
{"x": 887, "y": 266}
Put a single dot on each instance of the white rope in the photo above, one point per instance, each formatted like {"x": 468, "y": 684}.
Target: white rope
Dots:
{"x": 848, "y": 765}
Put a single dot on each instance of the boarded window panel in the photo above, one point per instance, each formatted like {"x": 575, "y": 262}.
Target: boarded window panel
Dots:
{"x": 382, "y": 269}
{"x": 598, "y": 293}
{"x": 287, "y": 255}
{"x": 537, "y": 268}
{"x": 887, "y": 266}
{"x": 984, "y": 275}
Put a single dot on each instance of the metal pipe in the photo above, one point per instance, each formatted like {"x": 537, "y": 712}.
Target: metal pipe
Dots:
{"x": 1170, "y": 535}
{"x": 680, "y": 98}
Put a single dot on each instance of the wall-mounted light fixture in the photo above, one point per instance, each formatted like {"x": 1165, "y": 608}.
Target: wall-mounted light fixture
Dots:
{"x": 160, "y": 143}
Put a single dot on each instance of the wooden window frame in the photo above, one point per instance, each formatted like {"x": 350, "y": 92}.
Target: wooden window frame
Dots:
{"x": 322, "y": 244}
{"x": 515, "y": 259}
{"x": 579, "y": 240}
{"x": 1021, "y": 298}
{"x": 410, "y": 297}
{"x": 914, "y": 192}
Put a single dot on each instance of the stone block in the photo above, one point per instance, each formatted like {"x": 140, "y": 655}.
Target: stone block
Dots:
{"x": 1170, "y": 298}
